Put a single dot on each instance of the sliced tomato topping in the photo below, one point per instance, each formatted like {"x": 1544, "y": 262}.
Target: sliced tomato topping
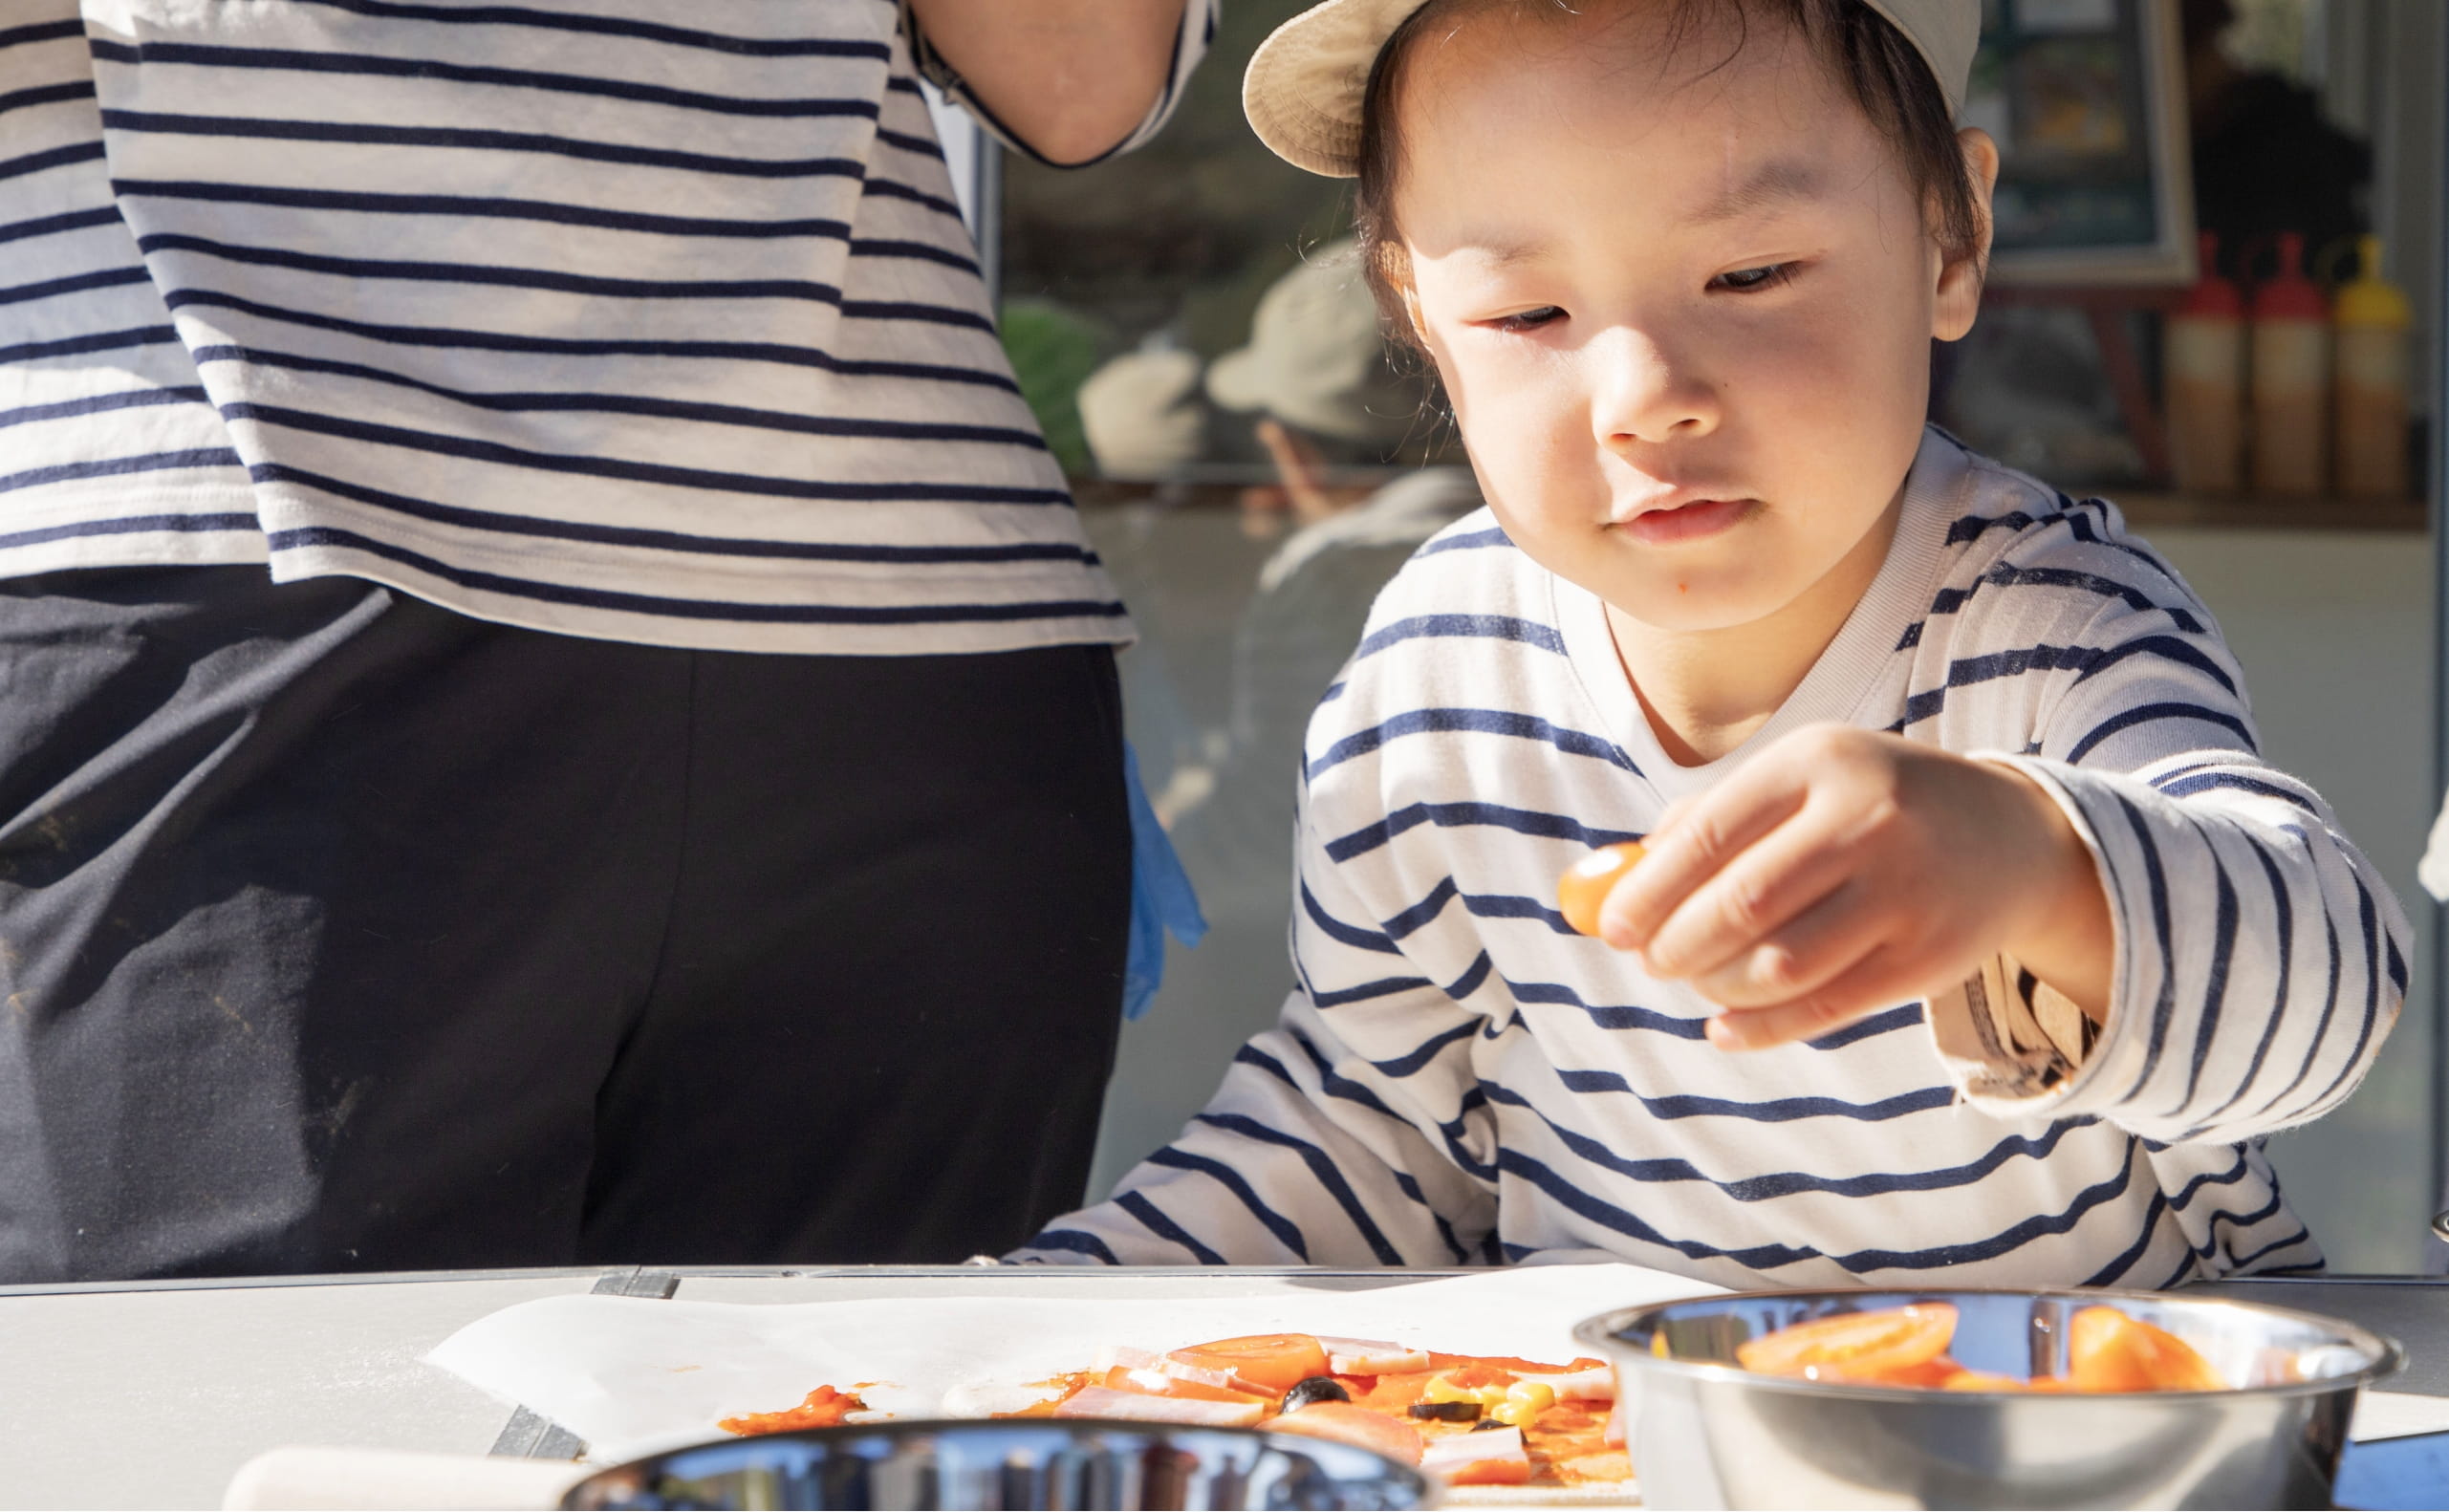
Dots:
{"x": 1345, "y": 1423}
{"x": 1491, "y": 1473}
{"x": 1391, "y": 1393}
{"x": 2110, "y": 1352}
{"x": 1868, "y": 1347}
{"x": 822, "y": 1408}
{"x": 1267, "y": 1364}
{"x": 1506, "y": 1362}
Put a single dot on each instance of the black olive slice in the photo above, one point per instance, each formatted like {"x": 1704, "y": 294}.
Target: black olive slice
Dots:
{"x": 1316, "y": 1389}
{"x": 1486, "y": 1423}
{"x": 1447, "y": 1412}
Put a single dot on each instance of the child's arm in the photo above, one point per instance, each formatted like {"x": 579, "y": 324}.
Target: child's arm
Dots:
{"x": 2253, "y": 960}
{"x": 2261, "y": 958}
{"x": 1353, "y": 1133}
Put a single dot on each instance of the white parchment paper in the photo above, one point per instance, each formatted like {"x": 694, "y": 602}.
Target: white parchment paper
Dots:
{"x": 631, "y": 1376}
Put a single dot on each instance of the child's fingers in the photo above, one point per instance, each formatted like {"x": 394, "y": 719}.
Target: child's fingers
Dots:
{"x": 1702, "y": 838}
{"x": 1879, "y": 981}
{"x": 1791, "y": 869}
{"x": 1807, "y": 954}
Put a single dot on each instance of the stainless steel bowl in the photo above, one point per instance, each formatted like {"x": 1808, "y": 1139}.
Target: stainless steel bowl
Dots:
{"x": 1706, "y": 1432}
{"x": 1034, "y": 1462}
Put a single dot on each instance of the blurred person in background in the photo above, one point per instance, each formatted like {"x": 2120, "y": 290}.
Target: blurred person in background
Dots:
{"x": 1330, "y": 407}
{"x": 549, "y": 665}
{"x": 2265, "y": 157}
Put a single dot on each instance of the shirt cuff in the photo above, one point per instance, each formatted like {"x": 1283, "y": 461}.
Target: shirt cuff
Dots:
{"x": 2015, "y": 1047}
{"x": 2006, "y": 1036}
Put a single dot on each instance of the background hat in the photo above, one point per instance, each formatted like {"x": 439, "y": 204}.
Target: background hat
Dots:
{"x": 1305, "y": 83}
{"x": 1316, "y": 357}
{"x": 1142, "y": 413}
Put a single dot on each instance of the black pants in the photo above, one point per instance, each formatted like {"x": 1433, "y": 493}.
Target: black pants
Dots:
{"x": 341, "y": 932}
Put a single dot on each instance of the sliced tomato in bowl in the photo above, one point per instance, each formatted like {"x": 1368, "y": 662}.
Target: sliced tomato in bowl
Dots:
{"x": 1888, "y": 1346}
{"x": 2110, "y": 1352}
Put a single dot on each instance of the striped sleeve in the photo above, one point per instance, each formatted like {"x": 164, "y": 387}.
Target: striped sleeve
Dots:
{"x": 653, "y": 328}
{"x": 2260, "y": 959}
{"x": 108, "y": 446}
{"x": 1356, "y": 1132}
{"x": 1191, "y": 41}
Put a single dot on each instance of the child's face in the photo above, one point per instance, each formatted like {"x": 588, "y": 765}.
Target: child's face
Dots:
{"x": 1683, "y": 310}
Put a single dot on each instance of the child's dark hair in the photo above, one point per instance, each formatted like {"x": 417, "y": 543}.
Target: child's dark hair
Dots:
{"x": 1884, "y": 73}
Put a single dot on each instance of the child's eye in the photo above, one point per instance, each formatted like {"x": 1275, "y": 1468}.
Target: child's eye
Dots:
{"x": 1528, "y": 320}
{"x": 1743, "y": 280}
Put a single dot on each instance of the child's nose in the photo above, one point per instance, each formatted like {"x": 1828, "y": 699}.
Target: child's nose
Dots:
{"x": 1647, "y": 391}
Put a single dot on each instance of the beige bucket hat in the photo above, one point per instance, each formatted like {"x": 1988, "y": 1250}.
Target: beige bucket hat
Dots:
{"x": 1316, "y": 357}
{"x": 1304, "y": 87}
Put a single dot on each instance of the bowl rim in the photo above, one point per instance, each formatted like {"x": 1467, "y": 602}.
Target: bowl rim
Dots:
{"x": 2387, "y": 1356}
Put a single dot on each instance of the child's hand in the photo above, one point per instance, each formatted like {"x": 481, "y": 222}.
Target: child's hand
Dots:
{"x": 1842, "y": 872}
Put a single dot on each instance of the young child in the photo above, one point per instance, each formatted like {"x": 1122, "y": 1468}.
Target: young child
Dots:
{"x": 1899, "y": 726}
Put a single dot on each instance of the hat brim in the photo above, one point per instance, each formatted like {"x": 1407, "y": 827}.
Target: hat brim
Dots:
{"x": 1304, "y": 87}
{"x": 1234, "y": 383}
{"x": 1305, "y": 83}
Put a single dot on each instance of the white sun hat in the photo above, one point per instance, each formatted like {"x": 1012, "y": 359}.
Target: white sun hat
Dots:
{"x": 1303, "y": 90}
{"x": 1142, "y": 414}
{"x": 1316, "y": 357}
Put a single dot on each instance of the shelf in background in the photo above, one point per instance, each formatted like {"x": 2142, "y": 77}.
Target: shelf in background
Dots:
{"x": 2155, "y": 509}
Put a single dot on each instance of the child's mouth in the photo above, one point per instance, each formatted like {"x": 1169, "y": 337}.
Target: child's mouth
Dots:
{"x": 1689, "y": 522}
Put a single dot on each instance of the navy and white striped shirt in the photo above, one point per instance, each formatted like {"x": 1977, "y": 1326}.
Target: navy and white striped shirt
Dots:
{"x": 600, "y": 316}
{"x": 1460, "y": 1078}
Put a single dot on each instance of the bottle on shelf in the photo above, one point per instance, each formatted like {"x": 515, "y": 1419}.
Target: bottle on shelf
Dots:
{"x": 2290, "y": 379}
{"x": 2370, "y": 391}
{"x": 2205, "y": 359}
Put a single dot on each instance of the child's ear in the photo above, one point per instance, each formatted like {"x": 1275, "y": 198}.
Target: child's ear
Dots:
{"x": 1962, "y": 271}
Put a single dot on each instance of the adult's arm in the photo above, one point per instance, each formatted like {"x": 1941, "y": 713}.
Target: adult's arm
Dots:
{"x": 1072, "y": 78}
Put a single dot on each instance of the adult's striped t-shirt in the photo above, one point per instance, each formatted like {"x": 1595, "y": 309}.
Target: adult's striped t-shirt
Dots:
{"x": 599, "y": 316}
{"x": 1459, "y": 1077}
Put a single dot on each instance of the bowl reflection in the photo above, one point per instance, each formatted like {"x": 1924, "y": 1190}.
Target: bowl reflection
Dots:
{"x": 1010, "y": 1464}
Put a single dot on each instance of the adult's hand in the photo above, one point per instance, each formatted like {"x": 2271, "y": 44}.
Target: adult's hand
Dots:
{"x": 1070, "y": 77}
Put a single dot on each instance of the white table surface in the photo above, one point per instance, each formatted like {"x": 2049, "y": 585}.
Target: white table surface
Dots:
{"x": 153, "y": 1396}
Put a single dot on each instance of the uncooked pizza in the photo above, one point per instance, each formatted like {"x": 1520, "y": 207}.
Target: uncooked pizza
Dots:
{"x": 1473, "y": 1420}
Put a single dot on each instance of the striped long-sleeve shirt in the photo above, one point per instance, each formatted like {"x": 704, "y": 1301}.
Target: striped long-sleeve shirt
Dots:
{"x": 613, "y": 317}
{"x": 1460, "y": 1078}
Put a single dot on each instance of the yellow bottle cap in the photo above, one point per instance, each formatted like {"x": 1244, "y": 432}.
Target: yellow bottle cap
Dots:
{"x": 2369, "y": 300}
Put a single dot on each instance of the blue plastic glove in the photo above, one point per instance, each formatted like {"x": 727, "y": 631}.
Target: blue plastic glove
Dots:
{"x": 1161, "y": 897}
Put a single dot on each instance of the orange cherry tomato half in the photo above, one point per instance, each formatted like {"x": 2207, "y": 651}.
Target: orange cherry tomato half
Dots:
{"x": 1268, "y": 1364}
{"x": 1587, "y": 883}
{"x": 1868, "y": 1347}
{"x": 2110, "y": 1352}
